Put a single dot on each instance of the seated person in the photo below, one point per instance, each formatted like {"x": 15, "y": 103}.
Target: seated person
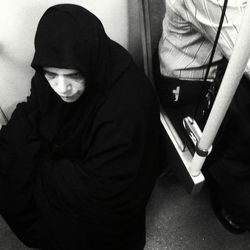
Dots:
{"x": 79, "y": 158}
{"x": 189, "y": 31}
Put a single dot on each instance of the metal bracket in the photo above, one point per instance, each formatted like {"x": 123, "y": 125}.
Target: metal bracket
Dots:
{"x": 194, "y": 132}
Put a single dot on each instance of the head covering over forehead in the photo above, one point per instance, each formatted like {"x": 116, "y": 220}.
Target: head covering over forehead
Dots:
{"x": 69, "y": 36}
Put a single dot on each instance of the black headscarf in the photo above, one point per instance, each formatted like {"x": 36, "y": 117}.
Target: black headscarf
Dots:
{"x": 69, "y": 36}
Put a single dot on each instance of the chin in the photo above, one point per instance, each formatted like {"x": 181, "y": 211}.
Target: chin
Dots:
{"x": 69, "y": 100}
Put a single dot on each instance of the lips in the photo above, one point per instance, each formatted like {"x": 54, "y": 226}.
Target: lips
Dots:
{"x": 70, "y": 98}
{"x": 66, "y": 96}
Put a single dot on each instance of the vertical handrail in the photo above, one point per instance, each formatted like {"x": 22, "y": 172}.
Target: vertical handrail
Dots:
{"x": 229, "y": 84}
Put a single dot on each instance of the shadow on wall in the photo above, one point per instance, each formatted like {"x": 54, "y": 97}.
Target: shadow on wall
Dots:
{"x": 153, "y": 12}
{"x": 156, "y": 12}
{"x": 134, "y": 37}
{"x": 17, "y": 35}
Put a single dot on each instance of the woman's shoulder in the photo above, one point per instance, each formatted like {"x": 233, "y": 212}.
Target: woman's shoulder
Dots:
{"x": 132, "y": 96}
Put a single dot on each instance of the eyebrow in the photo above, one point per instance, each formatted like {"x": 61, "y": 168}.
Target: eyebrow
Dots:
{"x": 67, "y": 74}
{"x": 72, "y": 74}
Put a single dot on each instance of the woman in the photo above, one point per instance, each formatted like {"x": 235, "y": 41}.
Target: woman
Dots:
{"x": 79, "y": 159}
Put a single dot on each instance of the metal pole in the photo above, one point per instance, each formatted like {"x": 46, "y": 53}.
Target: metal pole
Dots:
{"x": 230, "y": 82}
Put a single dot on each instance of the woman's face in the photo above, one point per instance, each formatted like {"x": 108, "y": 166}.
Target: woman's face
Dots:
{"x": 69, "y": 84}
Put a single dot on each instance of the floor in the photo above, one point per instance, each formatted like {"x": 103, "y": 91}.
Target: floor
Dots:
{"x": 176, "y": 220}
{"x": 179, "y": 221}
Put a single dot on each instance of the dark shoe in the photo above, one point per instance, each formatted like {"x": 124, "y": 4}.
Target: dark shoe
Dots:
{"x": 226, "y": 219}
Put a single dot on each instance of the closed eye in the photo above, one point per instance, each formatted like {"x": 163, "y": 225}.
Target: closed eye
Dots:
{"x": 49, "y": 75}
{"x": 76, "y": 76}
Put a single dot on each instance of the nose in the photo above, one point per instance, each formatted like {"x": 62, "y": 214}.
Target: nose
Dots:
{"x": 63, "y": 87}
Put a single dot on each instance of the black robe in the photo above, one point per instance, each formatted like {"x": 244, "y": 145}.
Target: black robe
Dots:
{"x": 79, "y": 175}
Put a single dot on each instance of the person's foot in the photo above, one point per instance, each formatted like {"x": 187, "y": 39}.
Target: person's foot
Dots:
{"x": 226, "y": 219}
{"x": 228, "y": 222}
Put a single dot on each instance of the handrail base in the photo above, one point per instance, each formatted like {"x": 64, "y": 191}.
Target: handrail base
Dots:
{"x": 180, "y": 158}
